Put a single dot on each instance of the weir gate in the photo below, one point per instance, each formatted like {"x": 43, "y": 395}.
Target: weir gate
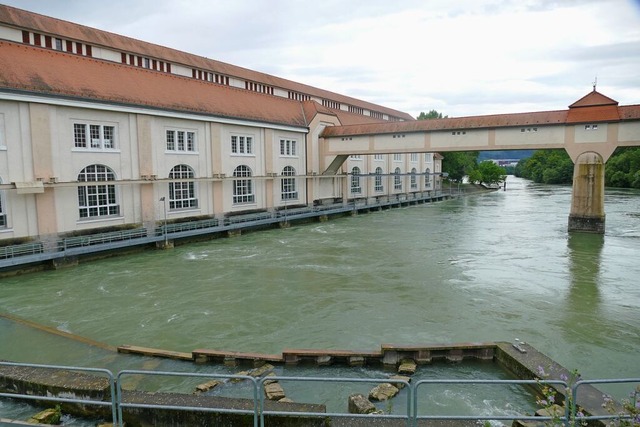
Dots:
{"x": 590, "y": 131}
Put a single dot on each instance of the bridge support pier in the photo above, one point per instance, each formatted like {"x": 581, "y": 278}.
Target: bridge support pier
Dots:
{"x": 587, "y": 200}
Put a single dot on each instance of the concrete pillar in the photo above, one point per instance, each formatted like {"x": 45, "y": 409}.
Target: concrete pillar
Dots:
{"x": 587, "y": 200}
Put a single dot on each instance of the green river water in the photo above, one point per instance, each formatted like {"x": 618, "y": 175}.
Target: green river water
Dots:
{"x": 488, "y": 267}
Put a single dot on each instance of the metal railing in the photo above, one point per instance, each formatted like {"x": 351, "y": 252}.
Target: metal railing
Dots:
{"x": 101, "y": 238}
{"x": 412, "y": 414}
{"x": 112, "y": 402}
{"x": 14, "y": 255}
{"x": 21, "y": 250}
{"x": 264, "y": 412}
{"x": 120, "y": 403}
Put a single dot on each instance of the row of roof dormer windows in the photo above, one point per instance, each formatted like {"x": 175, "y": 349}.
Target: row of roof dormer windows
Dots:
{"x": 210, "y": 77}
{"x": 141, "y": 61}
{"x": 257, "y": 87}
{"x": 330, "y": 104}
{"x": 42, "y": 40}
{"x": 84, "y": 49}
{"x": 298, "y": 96}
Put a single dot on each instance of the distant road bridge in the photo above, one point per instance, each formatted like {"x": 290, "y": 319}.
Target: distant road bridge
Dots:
{"x": 590, "y": 131}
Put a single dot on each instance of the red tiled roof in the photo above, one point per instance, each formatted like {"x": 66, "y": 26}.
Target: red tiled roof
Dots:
{"x": 40, "y": 23}
{"x": 629, "y": 112}
{"x": 589, "y": 109}
{"x": 498, "y": 120}
{"x": 49, "y": 72}
{"x": 593, "y": 98}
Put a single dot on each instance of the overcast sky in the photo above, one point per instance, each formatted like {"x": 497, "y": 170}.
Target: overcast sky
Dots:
{"x": 464, "y": 57}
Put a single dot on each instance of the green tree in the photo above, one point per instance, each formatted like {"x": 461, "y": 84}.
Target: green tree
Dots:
{"x": 623, "y": 168}
{"x": 547, "y": 166}
{"x": 432, "y": 114}
{"x": 459, "y": 164}
{"x": 487, "y": 172}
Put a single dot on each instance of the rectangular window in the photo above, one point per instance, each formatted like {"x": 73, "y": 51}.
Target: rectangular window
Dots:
{"x": 3, "y": 213}
{"x": 288, "y": 147}
{"x": 397, "y": 157}
{"x": 414, "y": 157}
{"x": 180, "y": 140}
{"x": 241, "y": 144}
{"x": 80, "y": 135}
{"x": 171, "y": 141}
{"x": 58, "y": 44}
{"x": 100, "y": 137}
{"x": 378, "y": 157}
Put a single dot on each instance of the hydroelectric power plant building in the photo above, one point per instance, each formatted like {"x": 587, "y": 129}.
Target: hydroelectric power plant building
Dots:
{"x": 108, "y": 142}
{"x": 101, "y": 132}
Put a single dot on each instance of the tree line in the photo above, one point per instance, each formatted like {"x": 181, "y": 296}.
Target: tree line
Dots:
{"x": 555, "y": 167}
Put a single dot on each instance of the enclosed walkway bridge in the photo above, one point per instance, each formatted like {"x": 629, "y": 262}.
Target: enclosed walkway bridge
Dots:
{"x": 590, "y": 130}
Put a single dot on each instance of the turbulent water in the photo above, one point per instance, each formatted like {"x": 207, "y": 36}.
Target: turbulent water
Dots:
{"x": 488, "y": 267}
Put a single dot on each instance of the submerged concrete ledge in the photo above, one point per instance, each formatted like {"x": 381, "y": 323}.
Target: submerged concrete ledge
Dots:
{"x": 389, "y": 354}
{"x": 522, "y": 360}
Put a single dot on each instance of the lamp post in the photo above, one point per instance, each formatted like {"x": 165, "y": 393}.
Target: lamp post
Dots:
{"x": 164, "y": 202}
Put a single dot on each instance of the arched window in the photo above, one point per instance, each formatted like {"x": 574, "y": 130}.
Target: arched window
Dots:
{"x": 182, "y": 194}
{"x": 96, "y": 200}
{"x": 355, "y": 180}
{"x": 243, "y": 187}
{"x": 288, "y": 184}
{"x": 3, "y": 211}
{"x": 377, "y": 184}
{"x": 397, "y": 180}
{"x": 427, "y": 177}
{"x": 414, "y": 179}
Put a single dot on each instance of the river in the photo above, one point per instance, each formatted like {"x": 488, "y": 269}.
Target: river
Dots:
{"x": 488, "y": 267}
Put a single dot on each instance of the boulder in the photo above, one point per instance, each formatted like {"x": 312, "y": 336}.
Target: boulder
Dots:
{"x": 407, "y": 367}
{"x": 359, "y": 404}
{"x": 257, "y": 372}
{"x": 201, "y": 388}
{"x": 383, "y": 391}
{"x": 274, "y": 391}
{"x": 269, "y": 381}
{"x": 400, "y": 386}
{"x": 48, "y": 416}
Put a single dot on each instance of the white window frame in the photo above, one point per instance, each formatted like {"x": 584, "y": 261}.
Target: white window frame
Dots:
{"x": 242, "y": 145}
{"x": 97, "y": 200}
{"x": 414, "y": 179}
{"x": 356, "y": 187}
{"x": 243, "y": 188}
{"x": 288, "y": 147}
{"x": 377, "y": 183}
{"x": 414, "y": 157}
{"x": 397, "y": 179}
{"x": 288, "y": 187}
{"x": 378, "y": 157}
{"x": 182, "y": 194}
{"x": 427, "y": 177}
{"x": 397, "y": 157}
{"x": 180, "y": 141}
{"x": 94, "y": 137}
